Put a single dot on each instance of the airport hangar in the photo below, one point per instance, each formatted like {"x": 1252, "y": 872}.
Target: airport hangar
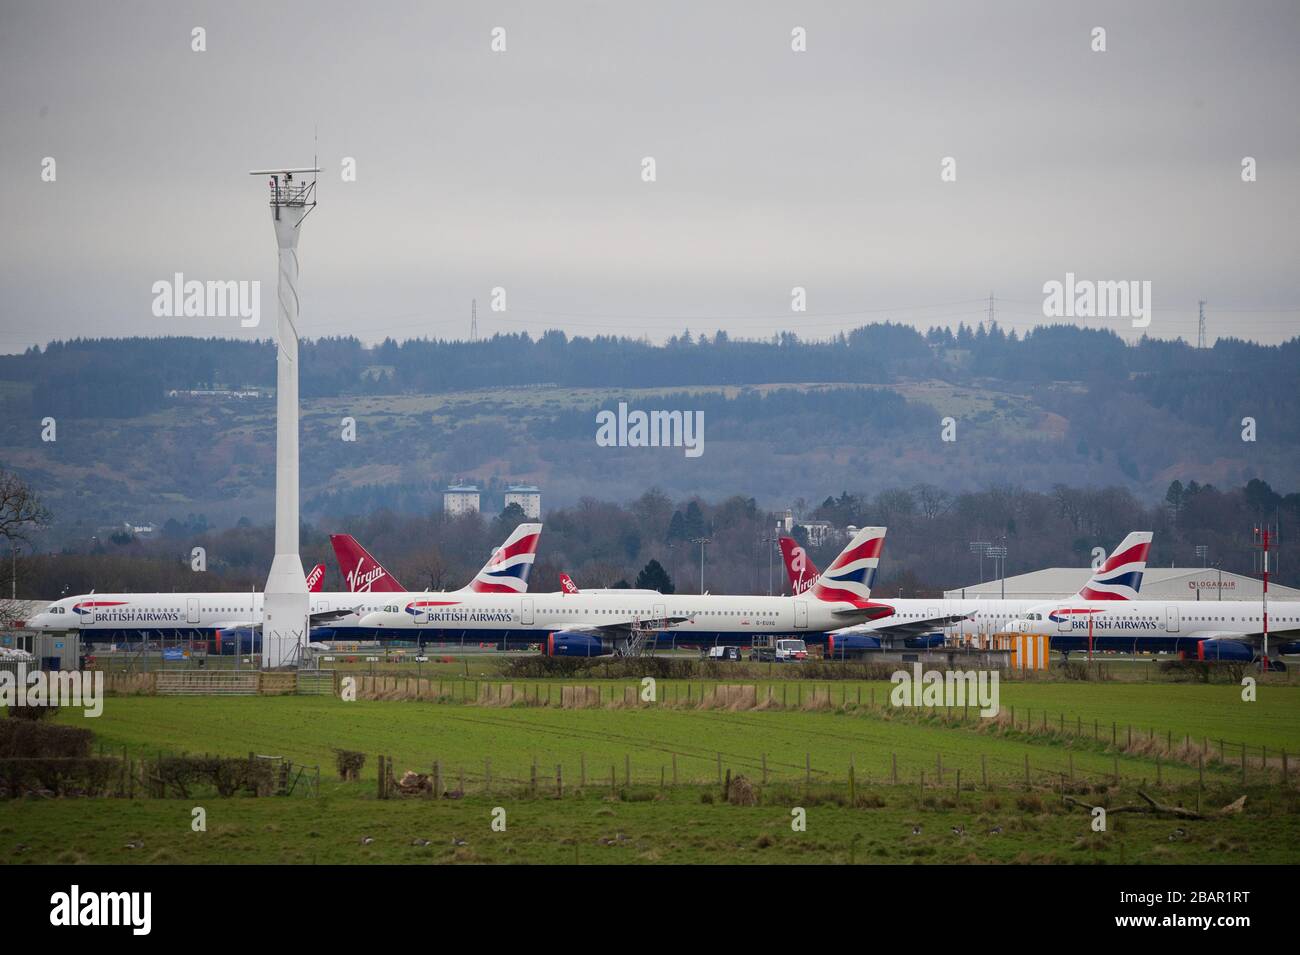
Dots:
{"x": 1158, "y": 583}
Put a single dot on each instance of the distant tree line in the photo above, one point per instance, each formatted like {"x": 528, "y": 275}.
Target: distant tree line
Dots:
{"x": 131, "y": 376}
{"x": 652, "y": 541}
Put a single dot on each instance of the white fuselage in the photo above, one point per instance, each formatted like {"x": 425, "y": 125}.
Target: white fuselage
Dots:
{"x": 693, "y": 614}
{"x": 458, "y": 611}
{"x": 1173, "y": 619}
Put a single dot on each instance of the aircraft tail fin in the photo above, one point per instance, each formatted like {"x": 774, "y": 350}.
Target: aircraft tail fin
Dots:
{"x": 1120, "y": 575}
{"x": 316, "y": 579}
{"x": 508, "y": 569}
{"x": 851, "y": 574}
{"x": 361, "y": 572}
{"x": 799, "y": 567}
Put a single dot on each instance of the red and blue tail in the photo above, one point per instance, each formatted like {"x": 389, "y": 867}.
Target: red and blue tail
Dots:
{"x": 853, "y": 572}
{"x": 507, "y": 572}
{"x": 1120, "y": 575}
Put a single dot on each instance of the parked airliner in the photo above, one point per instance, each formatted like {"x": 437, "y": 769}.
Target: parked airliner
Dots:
{"x": 568, "y": 624}
{"x": 237, "y": 616}
{"x": 1197, "y": 629}
{"x": 929, "y": 622}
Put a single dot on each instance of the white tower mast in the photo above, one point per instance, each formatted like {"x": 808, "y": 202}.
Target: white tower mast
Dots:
{"x": 286, "y": 606}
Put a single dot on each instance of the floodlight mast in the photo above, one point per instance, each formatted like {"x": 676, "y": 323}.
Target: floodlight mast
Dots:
{"x": 286, "y": 605}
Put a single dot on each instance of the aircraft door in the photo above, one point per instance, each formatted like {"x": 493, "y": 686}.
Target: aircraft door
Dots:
{"x": 659, "y": 614}
{"x": 526, "y": 611}
{"x": 192, "y": 610}
{"x": 1172, "y": 623}
{"x": 801, "y": 614}
{"x": 1063, "y": 623}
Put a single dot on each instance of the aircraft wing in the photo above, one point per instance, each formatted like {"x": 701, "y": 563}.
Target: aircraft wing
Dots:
{"x": 863, "y": 614}
{"x": 316, "y": 617}
{"x": 325, "y": 616}
{"x": 1255, "y": 637}
{"x": 907, "y": 628}
{"x": 627, "y": 626}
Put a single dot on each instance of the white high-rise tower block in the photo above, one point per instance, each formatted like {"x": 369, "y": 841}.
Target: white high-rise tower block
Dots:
{"x": 286, "y": 607}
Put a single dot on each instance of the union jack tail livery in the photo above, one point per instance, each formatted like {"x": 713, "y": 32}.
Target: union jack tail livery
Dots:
{"x": 316, "y": 579}
{"x": 507, "y": 571}
{"x": 853, "y": 572}
{"x": 799, "y": 567}
{"x": 567, "y": 585}
{"x": 361, "y": 572}
{"x": 1120, "y": 576}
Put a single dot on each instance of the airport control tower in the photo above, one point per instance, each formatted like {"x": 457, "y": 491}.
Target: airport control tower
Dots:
{"x": 286, "y": 606}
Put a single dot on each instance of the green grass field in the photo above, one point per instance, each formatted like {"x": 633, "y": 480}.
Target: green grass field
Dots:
{"x": 619, "y": 803}
{"x": 638, "y": 826}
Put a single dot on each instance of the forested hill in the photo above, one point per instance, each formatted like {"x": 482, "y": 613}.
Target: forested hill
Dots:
{"x": 181, "y": 428}
{"x": 132, "y": 376}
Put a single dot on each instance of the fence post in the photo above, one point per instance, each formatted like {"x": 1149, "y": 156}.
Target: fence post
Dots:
{"x": 765, "y": 769}
{"x": 613, "y": 779}
{"x": 559, "y": 781}
{"x": 984, "y": 771}
{"x": 1158, "y": 778}
{"x": 959, "y": 781}
{"x": 1026, "y": 770}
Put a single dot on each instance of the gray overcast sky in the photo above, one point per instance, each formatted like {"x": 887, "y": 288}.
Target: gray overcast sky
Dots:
{"x": 775, "y": 169}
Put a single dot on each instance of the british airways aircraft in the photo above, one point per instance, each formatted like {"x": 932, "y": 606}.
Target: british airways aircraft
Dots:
{"x": 568, "y": 624}
{"x": 1231, "y": 630}
{"x": 236, "y": 618}
{"x": 929, "y": 622}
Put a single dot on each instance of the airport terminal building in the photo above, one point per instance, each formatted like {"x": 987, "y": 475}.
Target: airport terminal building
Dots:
{"x": 1158, "y": 583}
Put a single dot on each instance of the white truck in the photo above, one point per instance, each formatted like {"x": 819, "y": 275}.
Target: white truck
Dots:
{"x": 778, "y": 649}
